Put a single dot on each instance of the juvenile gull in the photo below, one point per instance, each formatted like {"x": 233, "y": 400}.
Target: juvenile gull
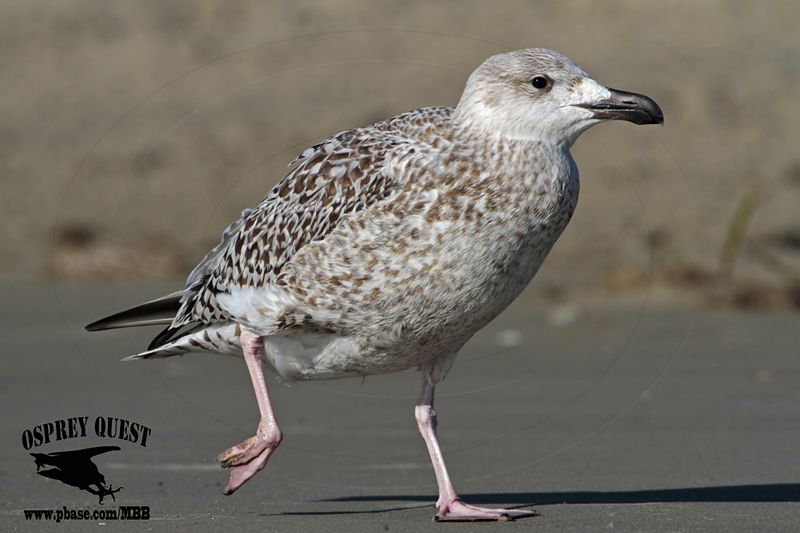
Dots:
{"x": 387, "y": 247}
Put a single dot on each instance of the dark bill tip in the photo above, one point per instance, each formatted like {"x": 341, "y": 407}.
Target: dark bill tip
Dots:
{"x": 632, "y": 107}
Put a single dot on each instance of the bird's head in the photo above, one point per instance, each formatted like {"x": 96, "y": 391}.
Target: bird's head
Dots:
{"x": 540, "y": 94}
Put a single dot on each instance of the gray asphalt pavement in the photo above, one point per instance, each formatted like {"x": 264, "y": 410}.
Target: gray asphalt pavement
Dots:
{"x": 632, "y": 418}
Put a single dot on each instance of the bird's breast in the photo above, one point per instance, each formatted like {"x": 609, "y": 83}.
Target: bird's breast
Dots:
{"x": 478, "y": 254}
{"x": 425, "y": 274}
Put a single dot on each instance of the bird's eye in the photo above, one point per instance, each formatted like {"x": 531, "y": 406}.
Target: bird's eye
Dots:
{"x": 540, "y": 82}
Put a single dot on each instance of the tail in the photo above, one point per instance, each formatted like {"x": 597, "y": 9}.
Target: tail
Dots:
{"x": 160, "y": 311}
{"x": 220, "y": 337}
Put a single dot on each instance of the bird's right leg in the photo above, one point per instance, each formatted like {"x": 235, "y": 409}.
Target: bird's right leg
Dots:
{"x": 449, "y": 506}
{"x": 247, "y": 458}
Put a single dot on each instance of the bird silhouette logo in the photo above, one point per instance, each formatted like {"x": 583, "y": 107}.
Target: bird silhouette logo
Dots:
{"x": 75, "y": 468}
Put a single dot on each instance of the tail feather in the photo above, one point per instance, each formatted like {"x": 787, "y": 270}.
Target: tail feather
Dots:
{"x": 158, "y": 353}
{"x": 170, "y": 334}
{"x": 219, "y": 337}
{"x": 214, "y": 338}
{"x": 159, "y": 311}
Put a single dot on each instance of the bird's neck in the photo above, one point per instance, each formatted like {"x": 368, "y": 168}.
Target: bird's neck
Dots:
{"x": 479, "y": 120}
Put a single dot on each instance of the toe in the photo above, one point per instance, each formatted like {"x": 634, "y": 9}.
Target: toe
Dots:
{"x": 458, "y": 511}
{"x": 232, "y": 457}
{"x": 240, "y": 474}
{"x": 242, "y": 453}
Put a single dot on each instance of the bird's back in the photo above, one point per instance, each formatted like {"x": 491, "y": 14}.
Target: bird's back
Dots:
{"x": 329, "y": 182}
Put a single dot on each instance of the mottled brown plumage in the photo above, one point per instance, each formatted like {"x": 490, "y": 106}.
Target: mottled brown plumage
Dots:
{"x": 387, "y": 247}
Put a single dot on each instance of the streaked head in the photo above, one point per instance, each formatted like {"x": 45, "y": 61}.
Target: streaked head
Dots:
{"x": 540, "y": 94}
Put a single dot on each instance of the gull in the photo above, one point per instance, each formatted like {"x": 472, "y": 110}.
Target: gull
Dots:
{"x": 387, "y": 247}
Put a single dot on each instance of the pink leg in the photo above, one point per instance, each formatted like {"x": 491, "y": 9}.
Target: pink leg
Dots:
{"x": 449, "y": 506}
{"x": 247, "y": 458}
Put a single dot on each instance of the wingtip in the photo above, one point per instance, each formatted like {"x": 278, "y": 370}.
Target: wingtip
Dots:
{"x": 94, "y": 326}
{"x": 160, "y": 311}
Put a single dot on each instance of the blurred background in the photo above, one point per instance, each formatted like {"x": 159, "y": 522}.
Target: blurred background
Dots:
{"x": 133, "y": 133}
{"x": 653, "y": 359}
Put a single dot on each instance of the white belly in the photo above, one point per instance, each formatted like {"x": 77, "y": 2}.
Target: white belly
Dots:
{"x": 307, "y": 356}
{"x": 311, "y": 356}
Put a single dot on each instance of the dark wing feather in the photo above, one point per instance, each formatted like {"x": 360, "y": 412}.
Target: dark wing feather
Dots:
{"x": 345, "y": 174}
{"x": 159, "y": 311}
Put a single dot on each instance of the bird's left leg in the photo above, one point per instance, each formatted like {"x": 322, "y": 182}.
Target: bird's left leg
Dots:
{"x": 450, "y": 507}
{"x": 249, "y": 457}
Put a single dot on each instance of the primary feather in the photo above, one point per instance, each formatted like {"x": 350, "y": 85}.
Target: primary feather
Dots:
{"x": 159, "y": 311}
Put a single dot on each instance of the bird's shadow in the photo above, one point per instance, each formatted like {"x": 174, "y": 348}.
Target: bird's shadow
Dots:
{"x": 776, "y": 492}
